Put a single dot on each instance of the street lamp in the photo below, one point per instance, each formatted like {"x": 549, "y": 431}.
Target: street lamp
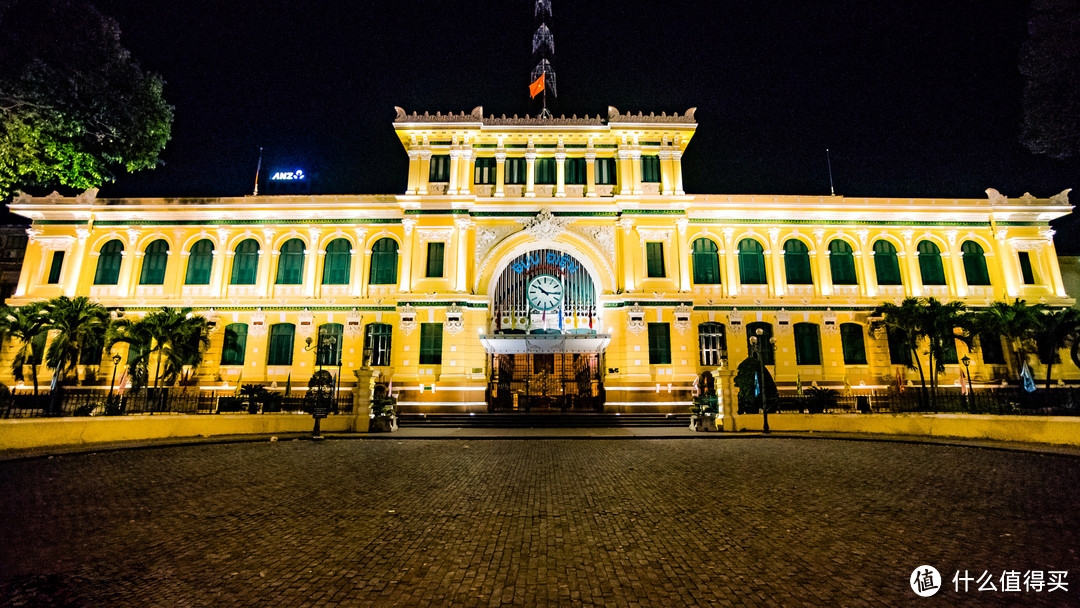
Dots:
{"x": 328, "y": 342}
{"x": 967, "y": 374}
{"x": 115, "y": 364}
{"x": 757, "y": 350}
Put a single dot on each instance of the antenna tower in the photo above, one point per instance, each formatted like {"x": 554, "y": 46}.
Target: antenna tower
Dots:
{"x": 543, "y": 48}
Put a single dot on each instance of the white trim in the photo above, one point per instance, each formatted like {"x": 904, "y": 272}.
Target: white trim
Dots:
{"x": 651, "y": 389}
{"x": 644, "y": 403}
{"x": 449, "y": 388}
{"x": 461, "y": 403}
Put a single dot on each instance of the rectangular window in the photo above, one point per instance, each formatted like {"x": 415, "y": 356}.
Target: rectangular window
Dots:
{"x": 431, "y": 344}
{"x": 1026, "y": 270}
{"x": 605, "y": 171}
{"x": 234, "y": 344}
{"x": 899, "y": 352}
{"x": 948, "y": 354}
{"x": 377, "y": 344}
{"x": 93, "y": 349}
{"x": 545, "y": 171}
{"x": 56, "y": 266}
{"x": 575, "y": 171}
{"x": 659, "y": 344}
{"x": 516, "y": 171}
{"x": 440, "y": 168}
{"x": 990, "y": 348}
{"x": 807, "y": 344}
{"x": 435, "y": 259}
{"x": 654, "y": 256}
{"x": 281, "y": 344}
{"x": 712, "y": 343}
{"x": 851, "y": 339}
{"x": 484, "y": 173}
{"x": 650, "y": 169}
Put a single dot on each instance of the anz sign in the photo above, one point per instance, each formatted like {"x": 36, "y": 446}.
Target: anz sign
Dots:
{"x": 288, "y": 176}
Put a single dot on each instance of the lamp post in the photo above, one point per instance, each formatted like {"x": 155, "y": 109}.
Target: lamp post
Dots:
{"x": 115, "y": 364}
{"x": 757, "y": 350}
{"x": 318, "y": 408}
{"x": 967, "y": 374}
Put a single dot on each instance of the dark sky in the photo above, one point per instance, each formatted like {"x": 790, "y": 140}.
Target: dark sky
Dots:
{"x": 914, "y": 98}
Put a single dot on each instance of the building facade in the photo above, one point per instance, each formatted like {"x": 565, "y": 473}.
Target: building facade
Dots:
{"x": 545, "y": 264}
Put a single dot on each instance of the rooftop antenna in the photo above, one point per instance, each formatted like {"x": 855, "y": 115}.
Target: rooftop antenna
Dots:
{"x": 543, "y": 48}
{"x": 828, "y": 159}
{"x": 258, "y": 168}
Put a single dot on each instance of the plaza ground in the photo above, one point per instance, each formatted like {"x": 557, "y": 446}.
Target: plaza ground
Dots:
{"x": 490, "y": 522}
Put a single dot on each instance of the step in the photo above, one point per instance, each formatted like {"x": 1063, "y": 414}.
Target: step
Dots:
{"x": 539, "y": 420}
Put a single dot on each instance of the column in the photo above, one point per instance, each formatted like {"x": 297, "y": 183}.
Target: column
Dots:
{"x": 500, "y": 173}
{"x": 468, "y": 168}
{"x": 365, "y": 274}
{"x": 731, "y": 259}
{"x": 73, "y": 270}
{"x": 530, "y": 176}
{"x": 129, "y": 268}
{"x": 560, "y": 172}
{"x": 24, "y": 273}
{"x": 635, "y": 171}
{"x": 463, "y": 225}
{"x": 1050, "y": 255}
{"x": 223, "y": 272}
{"x": 312, "y": 256}
{"x": 357, "y": 281}
{"x": 455, "y": 162}
{"x": 264, "y": 282}
{"x": 676, "y": 172}
{"x": 178, "y": 276}
{"x": 666, "y": 182}
{"x": 914, "y": 278}
{"x": 824, "y": 270}
{"x": 778, "y": 284}
{"x": 958, "y": 281}
{"x": 682, "y": 254}
{"x": 405, "y": 280}
{"x": 869, "y": 273}
{"x": 414, "y": 173}
{"x": 627, "y": 258}
{"x": 425, "y": 172}
{"x": 590, "y": 173}
{"x": 624, "y": 172}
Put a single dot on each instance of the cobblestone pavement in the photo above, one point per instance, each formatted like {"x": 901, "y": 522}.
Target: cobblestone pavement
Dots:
{"x": 754, "y": 522}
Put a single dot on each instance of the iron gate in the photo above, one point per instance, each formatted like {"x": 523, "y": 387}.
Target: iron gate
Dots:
{"x": 561, "y": 382}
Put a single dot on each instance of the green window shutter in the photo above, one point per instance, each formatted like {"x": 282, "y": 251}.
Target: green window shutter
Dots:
{"x": 974, "y": 263}
{"x": 234, "y": 344}
{"x": 990, "y": 349}
{"x": 281, "y": 344}
{"x": 337, "y": 262}
{"x": 431, "y": 344}
{"x": 439, "y": 169}
{"x": 37, "y": 347}
{"x": 328, "y": 351}
{"x": 155, "y": 259}
{"x": 659, "y": 344}
{"x": 851, "y": 339}
{"x": 706, "y": 262}
{"x": 842, "y": 263}
{"x": 751, "y": 263}
{"x": 108, "y": 267}
{"x": 245, "y": 263}
{"x": 200, "y": 263}
{"x": 605, "y": 171}
{"x": 93, "y": 348}
{"x": 545, "y": 171}
{"x": 650, "y": 169}
{"x": 899, "y": 352}
{"x": 516, "y": 171}
{"x": 930, "y": 266}
{"x": 807, "y": 344}
{"x": 384, "y": 261}
{"x": 797, "y": 263}
{"x": 290, "y": 269}
{"x": 575, "y": 171}
{"x": 654, "y": 254}
{"x": 435, "y": 259}
{"x": 886, "y": 264}
{"x": 55, "y": 267}
{"x": 948, "y": 348}
{"x": 767, "y": 353}
{"x": 1026, "y": 271}
{"x": 484, "y": 171}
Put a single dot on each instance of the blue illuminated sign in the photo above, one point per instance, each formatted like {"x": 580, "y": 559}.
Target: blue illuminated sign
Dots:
{"x": 288, "y": 176}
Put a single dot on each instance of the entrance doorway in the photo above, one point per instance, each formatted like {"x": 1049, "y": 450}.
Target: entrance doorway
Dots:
{"x": 553, "y": 382}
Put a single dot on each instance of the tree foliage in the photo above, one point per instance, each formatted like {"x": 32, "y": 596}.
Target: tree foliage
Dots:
{"x": 1050, "y": 63}
{"x": 74, "y": 106}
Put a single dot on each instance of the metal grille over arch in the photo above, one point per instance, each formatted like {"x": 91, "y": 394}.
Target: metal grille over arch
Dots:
{"x": 576, "y": 310}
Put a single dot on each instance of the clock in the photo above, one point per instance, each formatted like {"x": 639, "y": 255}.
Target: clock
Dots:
{"x": 545, "y": 292}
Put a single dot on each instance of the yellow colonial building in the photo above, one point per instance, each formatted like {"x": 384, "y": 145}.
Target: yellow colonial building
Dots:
{"x": 544, "y": 263}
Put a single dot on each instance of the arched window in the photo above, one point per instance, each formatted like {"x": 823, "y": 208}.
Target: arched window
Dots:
{"x": 234, "y": 344}
{"x": 280, "y": 351}
{"x": 807, "y": 344}
{"x": 706, "y": 262}
{"x": 712, "y": 341}
{"x": 751, "y": 263}
{"x": 842, "y": 263}
{"x": 200, "y": 263}
{"x": 885, "y": 263}
{"x": 975, "y": 263}
{"x": 767, "y": 352}
{"x": 797, "y": 263}
{"x": 329, "y": 350}
{"x": 245, "y": 264}
{"x": 108, "y": 265}
{"x": 384, "y": 258}
{"x": 930, "y": 267}
{"x": 336, "y": 264}
{"x": 377, "y": 344}
{"x": 155, "y": 259}
{"x": 851, "y": 339}
{"x": 290, "y": 269}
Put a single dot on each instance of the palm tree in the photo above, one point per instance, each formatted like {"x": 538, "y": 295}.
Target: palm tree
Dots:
{"x": 939, "y": 324}
{"x": 1057, "y": 329}
{"x": 904, "y": 320}
{"x": 1016, "y": 322}
{"x": 172, "y": 337}
{"x": 27, "y": 325}
{"x": 78, "y": 323}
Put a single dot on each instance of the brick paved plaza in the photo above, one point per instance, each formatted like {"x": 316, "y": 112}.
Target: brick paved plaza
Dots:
{"x": 674, "y": 522}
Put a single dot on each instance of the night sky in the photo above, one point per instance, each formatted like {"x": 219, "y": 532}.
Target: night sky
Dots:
{"x": 914, "y": 98}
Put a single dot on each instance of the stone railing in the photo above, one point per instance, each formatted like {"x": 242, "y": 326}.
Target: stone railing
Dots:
{"x": 575, "y": 190}
{"x": 438, "y": 187}
{"x": 484, "y": 190}
{"x": 545, "y": 190}
{"x": 514, "y": 190}
{"x": 605, "y": 189}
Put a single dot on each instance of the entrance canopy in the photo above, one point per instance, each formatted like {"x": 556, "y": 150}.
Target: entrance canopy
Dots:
{"x": 518, "y": 344}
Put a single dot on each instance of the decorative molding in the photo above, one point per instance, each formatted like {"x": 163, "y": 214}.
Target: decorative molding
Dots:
{"x": 602, "y": 236}
{"x": 428, "y": 235}
{"x": 489, "y": 236}
{"x": 1061, "y": 198}
{"x": 682, "y": 318}
{"x": 257, "y": 327}
{"x": 655, "y": 234}
{"x": 354, "y": 322}
{"x": 635, "y": 319}
{"x": 408, "y": 223}
{"x": 305, "y": 326}
{"x": 407, "y": 319}
{"x": 455, "y": 323}
{"x": 545, "y": 227}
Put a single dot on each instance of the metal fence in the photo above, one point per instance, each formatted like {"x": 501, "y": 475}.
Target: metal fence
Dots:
{"x": 173, "y": 400}
{"x": 1012, "y": 401}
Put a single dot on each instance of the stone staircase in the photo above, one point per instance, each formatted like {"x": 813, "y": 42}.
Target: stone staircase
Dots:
{"x": 541, "y": 420}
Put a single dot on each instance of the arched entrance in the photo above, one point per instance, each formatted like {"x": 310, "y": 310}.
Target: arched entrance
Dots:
{"x": 545, "y": 352}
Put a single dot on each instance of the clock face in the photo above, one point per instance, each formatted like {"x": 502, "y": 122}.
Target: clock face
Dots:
{"x": 545, "y": 292}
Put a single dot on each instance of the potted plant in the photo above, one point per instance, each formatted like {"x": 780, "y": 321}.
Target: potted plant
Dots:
{"x": 703, "y": 413}
{"x": 383, "y": 412}
{"x": 821, "y": 399}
